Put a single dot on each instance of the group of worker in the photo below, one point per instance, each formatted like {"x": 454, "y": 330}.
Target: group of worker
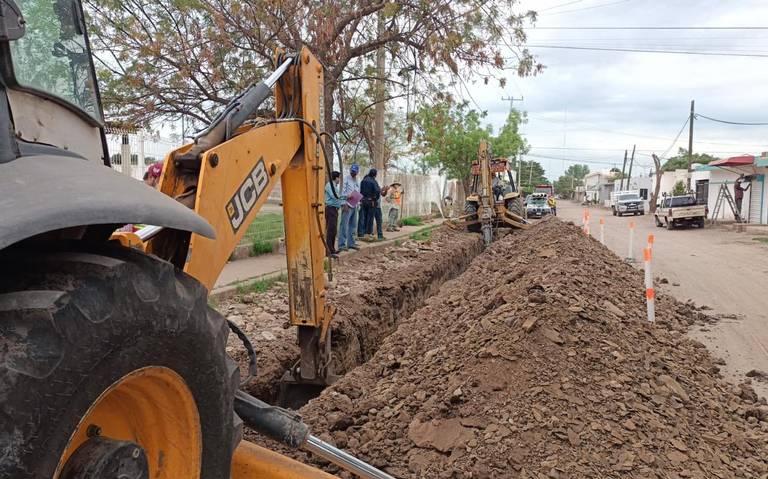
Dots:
{"x": 359, "y": 202}
{"x": 360, "y": 205}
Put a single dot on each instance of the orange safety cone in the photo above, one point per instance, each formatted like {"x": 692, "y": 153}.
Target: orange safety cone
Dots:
{"x": 630, "y": 253}
{"x": 650, "y": 293}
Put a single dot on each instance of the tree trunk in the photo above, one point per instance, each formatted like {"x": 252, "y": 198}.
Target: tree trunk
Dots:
{"x": 378, "y": 133}
{"x": 655, "y": 196}
{"x": 461, "y": 197}
{"x": 328, "y": 125}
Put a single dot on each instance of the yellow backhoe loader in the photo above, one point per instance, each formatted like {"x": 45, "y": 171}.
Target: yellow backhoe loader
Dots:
{"x": 112, "y": 364}
{"x": 493, "y": 200}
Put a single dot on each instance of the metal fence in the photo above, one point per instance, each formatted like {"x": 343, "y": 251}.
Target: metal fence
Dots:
{"x": 141, "y": 147}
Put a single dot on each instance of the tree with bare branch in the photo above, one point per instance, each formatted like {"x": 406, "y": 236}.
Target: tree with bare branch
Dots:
{"x": 169, "y": 58}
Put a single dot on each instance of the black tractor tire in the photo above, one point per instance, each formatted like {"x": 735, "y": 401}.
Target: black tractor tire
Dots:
{"x": 614, "y": 211}
{"x": 701, "y": 223}
{"x": 670, "y": 224}
{"x": 470, "y": 208}
{"x": 75, "y": 320}
{"x": 515, "y": 206}
{"x": 659, "y": 224}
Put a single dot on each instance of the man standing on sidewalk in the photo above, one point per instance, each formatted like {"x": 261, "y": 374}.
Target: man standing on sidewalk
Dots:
{"x": 351, "y": 192}
{"x": 552, "y": 203}
{"x": 371, "y": 192}
{"x": 394, "y": 198}
{"x": 332, "y": 205}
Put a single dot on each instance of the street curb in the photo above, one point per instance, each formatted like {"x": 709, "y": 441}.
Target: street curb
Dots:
{"x": 228, "y": 291}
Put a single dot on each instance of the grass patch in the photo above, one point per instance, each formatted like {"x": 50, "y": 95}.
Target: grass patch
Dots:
{"x": 424, "y": 234}
{"x": 412, "y": 221}
{"x": 398, "y": 242}
{"x": 261, "y": 285}
{"x": 761, "y": 239}
{"x": 266, "y": 227}
{"x": 260, "y": 247}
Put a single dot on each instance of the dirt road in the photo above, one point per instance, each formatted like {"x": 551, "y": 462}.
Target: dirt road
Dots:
{"x": 725, "y": 270}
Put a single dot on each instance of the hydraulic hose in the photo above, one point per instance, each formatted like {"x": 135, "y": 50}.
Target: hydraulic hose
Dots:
{"x": 287, "y": 428}
{"x": 236, "y": 113}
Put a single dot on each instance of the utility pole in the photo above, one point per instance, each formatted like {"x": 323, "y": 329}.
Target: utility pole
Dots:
{"x": 623, "y": 168}
{"x": 512, "y": 101}
{"x": 632, "y": 160}
{"x": 378, "y": 124}
{"x": 530, "y": 175}
{"x": 690, "y": 144}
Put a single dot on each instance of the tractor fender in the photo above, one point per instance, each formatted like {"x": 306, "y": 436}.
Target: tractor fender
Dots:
{"x": 47, "y": 192}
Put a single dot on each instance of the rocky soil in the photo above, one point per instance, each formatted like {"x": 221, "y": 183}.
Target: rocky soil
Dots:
{"x": 372, "y": 292}
{"x": 537, "y": 362}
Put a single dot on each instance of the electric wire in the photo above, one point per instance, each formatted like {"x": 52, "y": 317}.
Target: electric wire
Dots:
{"x": 592, "y": 7}
{"x": 653, "y": 28}
{"x": 677, "y": 137}
{"x": 699, "y": 115}
{"x": 559, "y": 6}
{"x": 639, "y": 50}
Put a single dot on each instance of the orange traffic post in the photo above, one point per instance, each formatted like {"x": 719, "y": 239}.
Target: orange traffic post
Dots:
{"x": 602, "y": 231}
{"x": 651, "y": 239}
{"x": 650, "y": 293}
{"x": 586, "y": 222}
{"x": 630, "y": 253}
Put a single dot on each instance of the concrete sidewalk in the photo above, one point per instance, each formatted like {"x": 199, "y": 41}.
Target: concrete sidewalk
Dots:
{"x": 273, "y": 264}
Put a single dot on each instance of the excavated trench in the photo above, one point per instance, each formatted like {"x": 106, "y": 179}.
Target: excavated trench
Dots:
{"x": 373, "y": 292}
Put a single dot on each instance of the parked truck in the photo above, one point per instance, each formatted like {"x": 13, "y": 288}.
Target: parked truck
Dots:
{"x": 676, "y": 211}
{"x": 626, "y": 203}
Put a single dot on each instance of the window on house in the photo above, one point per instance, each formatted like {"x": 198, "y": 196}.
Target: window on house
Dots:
{"x": 644, "y": 193}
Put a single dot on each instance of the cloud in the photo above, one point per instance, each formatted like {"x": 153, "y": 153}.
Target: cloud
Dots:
{"x": 611, "y": 100}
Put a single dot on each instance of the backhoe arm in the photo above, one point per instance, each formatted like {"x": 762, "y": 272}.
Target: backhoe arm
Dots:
{"x": 228, "y": 183}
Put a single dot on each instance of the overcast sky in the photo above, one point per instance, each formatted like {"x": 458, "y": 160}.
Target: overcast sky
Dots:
{"x": 597, "y": 103}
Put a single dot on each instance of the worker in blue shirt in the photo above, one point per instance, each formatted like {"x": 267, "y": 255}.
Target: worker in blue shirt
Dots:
{"x": 332, "y": 204}
{"x": 349, "y": 209}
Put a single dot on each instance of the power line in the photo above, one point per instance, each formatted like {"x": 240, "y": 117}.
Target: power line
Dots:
{"x": 574, "y": 160}
{"x": 651, "y": 28}
{"x": 579, "y": 149}
{"x": 637, "y": 50}
{"x": 677, "y": 137}
{"x": 699, "y": 115}
{"x": 587, "y": 8}
{"x": 558, "y": 6}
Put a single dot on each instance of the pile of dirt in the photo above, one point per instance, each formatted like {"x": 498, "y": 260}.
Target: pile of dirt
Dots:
{"x": 537, "y": 362}
{"x": 371, "y": 291}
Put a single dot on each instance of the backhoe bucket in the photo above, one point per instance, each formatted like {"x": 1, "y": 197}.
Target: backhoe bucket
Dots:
{"x": 312, "y": 373}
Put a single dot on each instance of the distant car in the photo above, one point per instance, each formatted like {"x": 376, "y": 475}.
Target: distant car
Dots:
{"x": 626, "y": 203}
{"x": 536, "y": 206}
{"x": 676, "y": 211}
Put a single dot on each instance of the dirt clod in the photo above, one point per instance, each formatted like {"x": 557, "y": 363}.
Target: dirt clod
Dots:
{"x": 579, "y": 386}
{"x": 372, "y": 292}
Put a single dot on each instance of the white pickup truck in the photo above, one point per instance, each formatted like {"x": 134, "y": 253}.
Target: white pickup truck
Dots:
{"x": 626, "y": 203}
{"x": 676, "y": 211}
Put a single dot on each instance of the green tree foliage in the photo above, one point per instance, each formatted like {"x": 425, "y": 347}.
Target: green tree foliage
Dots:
{"x": 509, "y": 143}
{"x": 679, "y": 189}
{"x": 680, "y": 161}
{"x": 531, "y": 174}
{"x": 573, "y": 176}
{"x": 448, "y": 135}
{"x": 447, "y": 138}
